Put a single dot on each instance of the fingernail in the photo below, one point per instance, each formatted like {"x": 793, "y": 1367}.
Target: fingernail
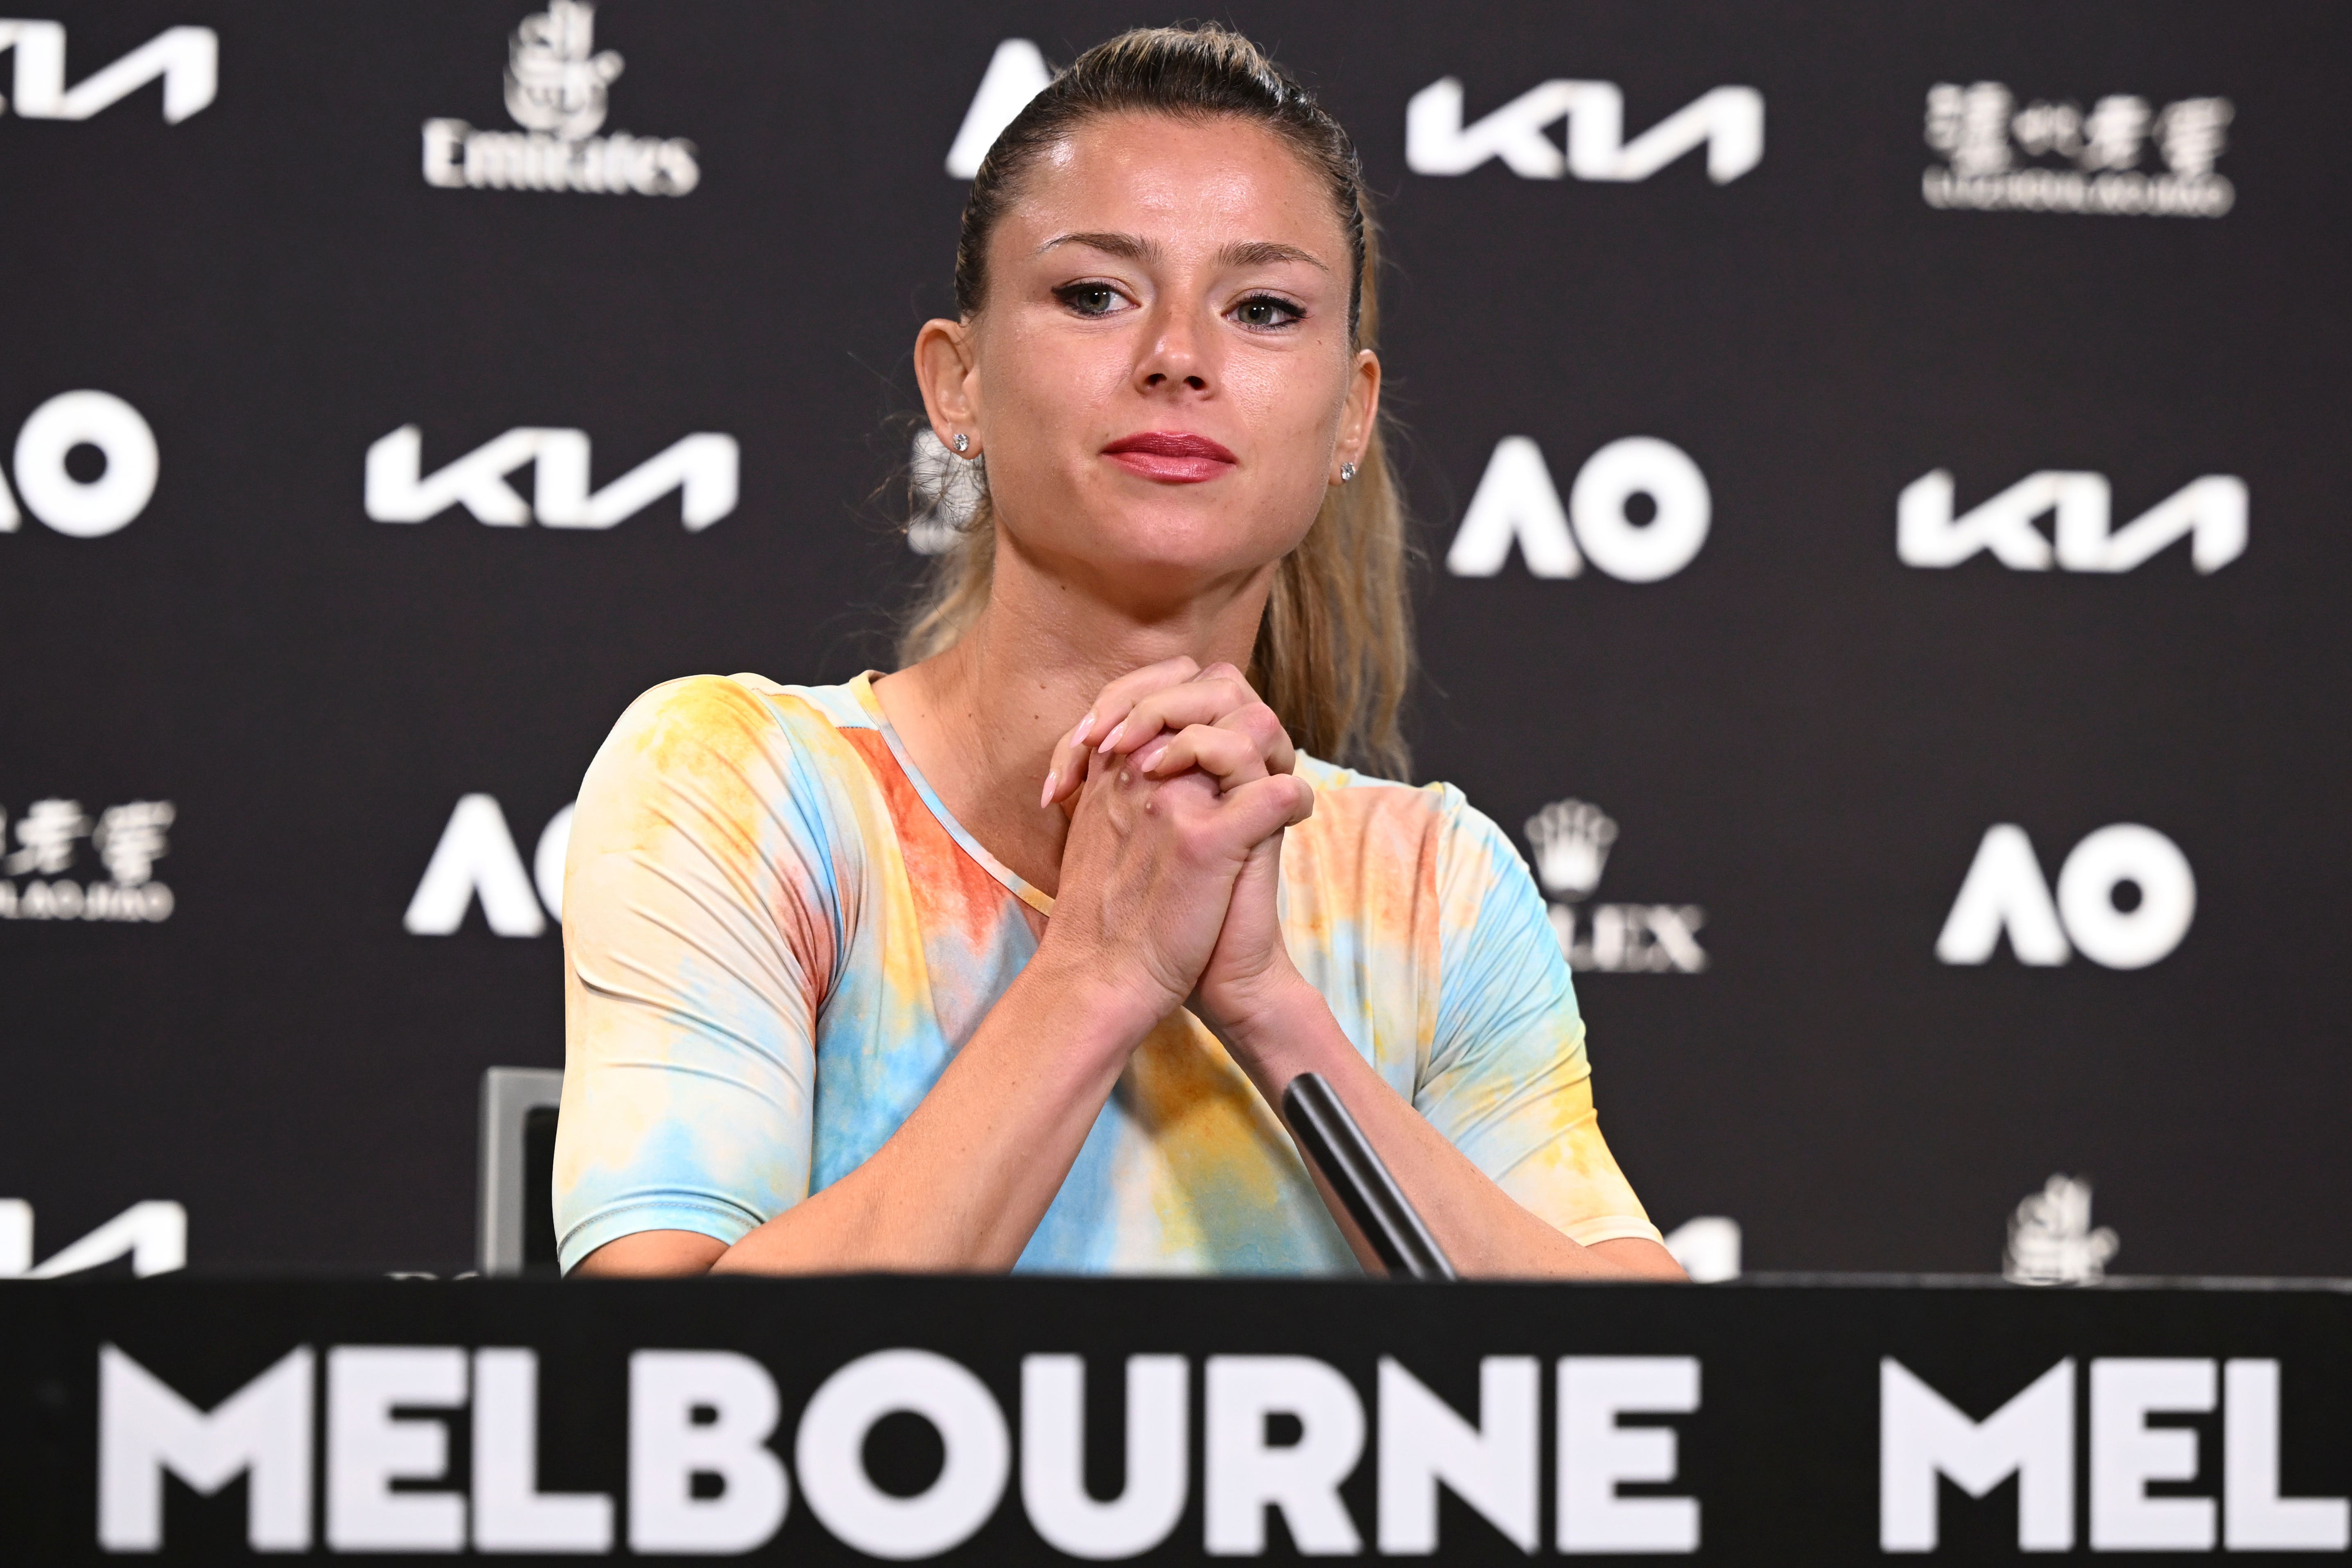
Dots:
{"x": 1112, "y": 739}
{"x": 1046, "y": 798}
{"x": 1085, "y": 724}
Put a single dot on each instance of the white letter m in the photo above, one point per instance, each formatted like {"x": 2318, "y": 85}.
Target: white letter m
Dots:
{"x": 145, "y": 1429}
{"x": 1922, "y": 1436}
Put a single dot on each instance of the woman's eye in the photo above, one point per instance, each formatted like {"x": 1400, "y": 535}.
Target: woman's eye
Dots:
{"x": 1090, "y": 299}
{"x": 1266, "y": 311}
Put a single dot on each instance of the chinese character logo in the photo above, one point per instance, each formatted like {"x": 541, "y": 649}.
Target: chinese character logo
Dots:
{"x": 2120, "y": 157}
{"x": 128, "y": 840}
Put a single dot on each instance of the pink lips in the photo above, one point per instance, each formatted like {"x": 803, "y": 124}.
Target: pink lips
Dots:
{"x": 1172, "y": 456}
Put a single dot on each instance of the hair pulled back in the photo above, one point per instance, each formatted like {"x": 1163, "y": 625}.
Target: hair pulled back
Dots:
{"x": 1334, "y": 654}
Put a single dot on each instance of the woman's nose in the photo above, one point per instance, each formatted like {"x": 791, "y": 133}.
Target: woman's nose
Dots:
{"x": 1176, "y": 357}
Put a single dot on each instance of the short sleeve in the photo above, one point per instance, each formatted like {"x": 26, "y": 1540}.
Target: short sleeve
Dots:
{"x": 1507, "y": 1081}
{"x": 701, "y": 917}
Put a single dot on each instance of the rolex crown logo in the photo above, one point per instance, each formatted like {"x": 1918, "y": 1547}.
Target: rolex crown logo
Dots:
{"x": 1571, "y": 839}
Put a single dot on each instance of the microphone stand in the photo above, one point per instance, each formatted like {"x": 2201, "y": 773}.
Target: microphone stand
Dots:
{"x": 1370, "y": 1196}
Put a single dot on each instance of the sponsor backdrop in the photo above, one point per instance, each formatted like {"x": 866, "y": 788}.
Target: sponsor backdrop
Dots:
{"x": 1027, "y": 1421}
{"x": 1879, "y": 475}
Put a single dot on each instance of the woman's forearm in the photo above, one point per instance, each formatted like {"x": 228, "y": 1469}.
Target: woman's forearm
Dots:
{"x": 1483, "y": 1229}
{"x": 966, "y": 1178}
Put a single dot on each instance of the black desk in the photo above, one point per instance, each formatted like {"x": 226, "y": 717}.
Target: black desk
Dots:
{"x": 1787, "y": 1421}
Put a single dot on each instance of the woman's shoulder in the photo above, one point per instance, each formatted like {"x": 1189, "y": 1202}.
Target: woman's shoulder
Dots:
{"x": 721, "y": 715}
{"x": 740, "y": 744}
{"x": 1431, "y": 823}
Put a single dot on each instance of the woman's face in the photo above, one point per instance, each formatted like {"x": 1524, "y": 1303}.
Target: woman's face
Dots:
{"x": 1160, "y": 375}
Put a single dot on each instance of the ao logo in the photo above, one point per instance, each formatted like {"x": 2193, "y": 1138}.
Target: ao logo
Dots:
{"x": 1016, "y": 73}
{"x": 2209, "y": 512}
{"x": 83, "y": 508}
{"x": 2004, "y": 891}
{"x": 187, "y": 58}
{"x": 702, "y": 466}
{"x": 1728, "y": 122}
{"x": 477, "y": 857}
{"x": 1515, "y": 500}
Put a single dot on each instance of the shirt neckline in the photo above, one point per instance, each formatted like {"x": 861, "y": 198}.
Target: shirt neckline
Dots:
{"x": 862, "y": 689}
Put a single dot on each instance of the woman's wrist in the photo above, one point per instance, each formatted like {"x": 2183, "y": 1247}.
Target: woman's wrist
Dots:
{"x": 1277, "y": 1030}
{"x": 1094, "y": 1004}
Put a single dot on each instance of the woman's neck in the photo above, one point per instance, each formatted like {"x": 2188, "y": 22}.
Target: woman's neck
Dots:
{"x": 981, "y": 720}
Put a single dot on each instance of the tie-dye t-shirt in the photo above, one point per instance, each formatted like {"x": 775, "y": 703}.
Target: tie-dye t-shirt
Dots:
{"x": 775, "y": 938}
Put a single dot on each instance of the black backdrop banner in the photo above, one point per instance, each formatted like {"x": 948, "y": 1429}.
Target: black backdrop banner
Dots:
{"x": 992, "y": 1420}
{"x": 1876, "y": 469}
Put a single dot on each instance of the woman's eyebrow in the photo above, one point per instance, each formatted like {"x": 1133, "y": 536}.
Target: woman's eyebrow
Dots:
{"x": 1264, "y": 253}
{"x": 1135, "y": 247}
{"x": 1132, "y": 247}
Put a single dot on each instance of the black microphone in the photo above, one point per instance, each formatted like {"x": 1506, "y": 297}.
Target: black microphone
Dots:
{"x": 1372, "y": 1199}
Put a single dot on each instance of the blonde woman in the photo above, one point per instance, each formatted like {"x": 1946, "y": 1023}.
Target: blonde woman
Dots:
{"x": 1002, "y": 959}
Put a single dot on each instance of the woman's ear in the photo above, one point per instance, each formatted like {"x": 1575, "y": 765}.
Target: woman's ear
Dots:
{"x": 944, "y": 368}
{"x": 1357, "y": 415}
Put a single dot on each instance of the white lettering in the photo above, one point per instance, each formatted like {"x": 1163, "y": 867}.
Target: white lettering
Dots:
{"x": 105, "y": 504}
{"x": 368, "y": 1448}
{"x": 1707, "y": 1248}
{"x": 510, "y": 1513}
{"x": 1515, "y": 501}
{"x": 1596, "y": 1454}
{"x": 1437, "y": 142}
{"x": 395, "y": 492}
{"x": 2210, "y": 512}
{"x": 1246, "y": 1475}
{"x": 829, "y": 1453}
{"x": 1490, "y": 1466}
{"x": 1926, "y": 534}
{"x": 1640, "y": 465}
{"x": 476, "y": 855}
{"x": 1054, "y": 1449}
{"x": 668, "y": 1448}
{"x": 2126, "y": 852}
{"x": 702, "y": 467}
{"x": 2127, "y": 1453}
{"x": 15, "y": 1237}
{"x": 547, "y": 860}
{"x": 154, "y": 1234}
{"x": 261, "y": 1431}
{"x": 2003, "y": 890}
{"x": 1730, "y": 121}
{"x": 2255, "y": 1518}
{"x": 187, "y": 58}
{"x": 1922, "y": 1436}
{"x": 1016, "y": 73}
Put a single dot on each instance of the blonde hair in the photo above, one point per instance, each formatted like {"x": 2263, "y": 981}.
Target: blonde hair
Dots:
{"x": 1334, "y": 654}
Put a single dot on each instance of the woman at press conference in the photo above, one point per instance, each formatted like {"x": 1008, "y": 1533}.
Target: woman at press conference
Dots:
{"x": 1004, "y": 960}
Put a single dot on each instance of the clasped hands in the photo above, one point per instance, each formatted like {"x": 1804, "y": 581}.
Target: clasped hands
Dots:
{"x": 1178, "y": 783}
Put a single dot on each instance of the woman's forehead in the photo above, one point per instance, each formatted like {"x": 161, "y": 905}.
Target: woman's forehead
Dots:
{"x": 1187, "y": 181}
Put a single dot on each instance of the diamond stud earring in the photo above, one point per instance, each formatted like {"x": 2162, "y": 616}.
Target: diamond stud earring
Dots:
{"x": 962, "y": 443}
{"x": 1347, "y": 472}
